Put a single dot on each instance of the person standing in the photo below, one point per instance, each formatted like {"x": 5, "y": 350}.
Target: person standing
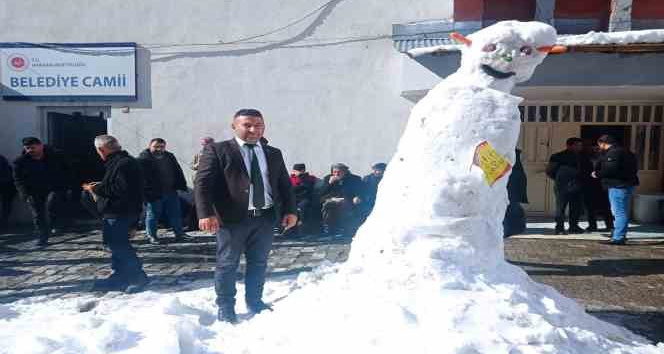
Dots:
{"x": 239, "y": 184}
{"x": 192, "y": 219}
{"x": 163, "y": 178}
{"x": 42, "y": 176}
{"x": 514, "y": 222}
{"x": 371, "y": 182}
{"x": 618, "y": 172}
{"x": 119, "y": 200}
{"x": 566, "y": 168}
{"x": 7, "y": 190}
{"x": 193, "y": 165}
{"x": 595, "y": 197}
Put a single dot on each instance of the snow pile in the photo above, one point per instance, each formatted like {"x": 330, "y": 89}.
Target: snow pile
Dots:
{"x": 426, "y": 273}
{"x": 590, "y": 38}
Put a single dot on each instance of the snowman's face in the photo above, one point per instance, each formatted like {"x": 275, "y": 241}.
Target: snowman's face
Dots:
{"x": 507, "y": 57}
{"x": 508, "y": 49}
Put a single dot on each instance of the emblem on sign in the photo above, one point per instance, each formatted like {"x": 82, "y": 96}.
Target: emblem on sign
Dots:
{"x": 18, "y": 62}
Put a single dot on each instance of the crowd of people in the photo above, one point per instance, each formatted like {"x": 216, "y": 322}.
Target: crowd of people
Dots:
{"x": 243, "y": 190}
{"x": 598, "y": 178}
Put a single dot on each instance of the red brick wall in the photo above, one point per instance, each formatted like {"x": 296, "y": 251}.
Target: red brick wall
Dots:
{"x": 648, "y": 9}
{"x": 523, "y": 10}
{"x": 599, "y": 9}
{"x": 468, "y": 10}
{"x": 475, "y": 10}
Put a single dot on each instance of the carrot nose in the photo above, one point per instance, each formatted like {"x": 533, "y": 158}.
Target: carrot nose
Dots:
{"x": 553, "y": 49}
{"x": 461, "y": 38}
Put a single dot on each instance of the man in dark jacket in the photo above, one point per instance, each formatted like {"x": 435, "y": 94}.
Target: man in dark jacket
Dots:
{"x": 595, "y": 197}
{"x": 618, "y": 172}
{"x": 7, "y": 190}
{"x": 119, "y": 198}
{"x": 303, "y": 187}
{"x": 163, "y": 178}
{"x": 239, "y": 186}
{"x": 566, "y": 168}
{"x": 341, "y": 194}
{"x": 42, "y": 176}
{"x": 517, "y": 193}
{"x": 371, "y": 182}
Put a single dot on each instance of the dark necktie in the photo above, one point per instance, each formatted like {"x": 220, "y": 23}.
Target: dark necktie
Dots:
{"x": 256, "y": 178}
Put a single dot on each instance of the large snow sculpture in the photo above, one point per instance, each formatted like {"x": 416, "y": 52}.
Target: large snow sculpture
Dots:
{"x": 432, "y": 192}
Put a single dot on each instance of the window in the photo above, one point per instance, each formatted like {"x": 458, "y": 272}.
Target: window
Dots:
{"x": 640, "y": 142}
{"x": 612, "y": 114}
{"x": 655, "y": 141}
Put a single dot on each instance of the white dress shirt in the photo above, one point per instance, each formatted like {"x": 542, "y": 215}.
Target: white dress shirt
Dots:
{"x": 262, "y": 163}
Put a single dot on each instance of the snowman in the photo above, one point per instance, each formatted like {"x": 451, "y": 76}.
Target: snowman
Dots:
{"x": 434, "y": 191}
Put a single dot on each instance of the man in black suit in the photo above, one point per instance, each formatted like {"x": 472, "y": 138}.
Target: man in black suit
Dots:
{"x": 239, "y": 184}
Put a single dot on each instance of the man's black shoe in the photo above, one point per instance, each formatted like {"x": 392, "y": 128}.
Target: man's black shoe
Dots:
{"x": 183, "y": 238}
{"x": 575, "y": 230}
{"x": 259, "y": 307}
{"x": 559, "y": 232}
{"x": 137, "y": 284}
{"x": 115, "y": 282}
{"x": 614, "y": 242}
{"x": 227, "y": 315}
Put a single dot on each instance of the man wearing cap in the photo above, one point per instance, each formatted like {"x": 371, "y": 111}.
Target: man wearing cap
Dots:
{"x": 371, "y": 182}
{"x": 239, "y": 184}
{"x": 303, "y": 186}
{"x": 618, "y": 172}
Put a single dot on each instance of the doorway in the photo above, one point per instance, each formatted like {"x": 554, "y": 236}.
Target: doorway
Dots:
{"x": 72, "y": 133}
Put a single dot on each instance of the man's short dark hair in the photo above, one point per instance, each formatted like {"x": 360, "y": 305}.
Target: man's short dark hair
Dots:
{"x": 572, "y": 141}
{"x": 381, "y": 166}
{"x": 249, "y": 112}
{"x": 31, "y": 140}
{"x": 299, "y": 167}
{"x": 157, "y": 140}
{"x": 607, "y": 139}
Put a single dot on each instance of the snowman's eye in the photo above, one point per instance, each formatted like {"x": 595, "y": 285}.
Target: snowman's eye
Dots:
{"x": 489, "y": 48}
{"x": 526, "y": 50}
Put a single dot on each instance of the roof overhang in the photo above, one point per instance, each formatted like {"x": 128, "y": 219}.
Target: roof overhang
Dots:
{"x": 575, "y": 75}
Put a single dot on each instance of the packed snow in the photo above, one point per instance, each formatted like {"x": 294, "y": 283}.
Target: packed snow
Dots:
{"x": 426, "y": 272}
{"x": 590, "y": 38}
{"x": 625, "y": 37}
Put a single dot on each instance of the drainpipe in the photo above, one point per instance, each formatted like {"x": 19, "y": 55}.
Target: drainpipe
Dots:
{"x": 621, "y": 15}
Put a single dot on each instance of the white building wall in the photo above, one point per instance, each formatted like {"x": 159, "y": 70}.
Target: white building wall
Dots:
{"x": 329, "y": 89}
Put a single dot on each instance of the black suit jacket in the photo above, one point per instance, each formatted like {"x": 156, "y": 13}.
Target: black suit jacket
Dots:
{"x": 222, "y": 182}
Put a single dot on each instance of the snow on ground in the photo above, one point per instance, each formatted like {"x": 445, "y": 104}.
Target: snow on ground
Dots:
{"x": 592, "y": 37}
{"x": 426, "y": 272}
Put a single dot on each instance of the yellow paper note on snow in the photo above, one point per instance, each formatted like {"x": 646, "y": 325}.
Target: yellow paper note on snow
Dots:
{"x": 494, "y": 165}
